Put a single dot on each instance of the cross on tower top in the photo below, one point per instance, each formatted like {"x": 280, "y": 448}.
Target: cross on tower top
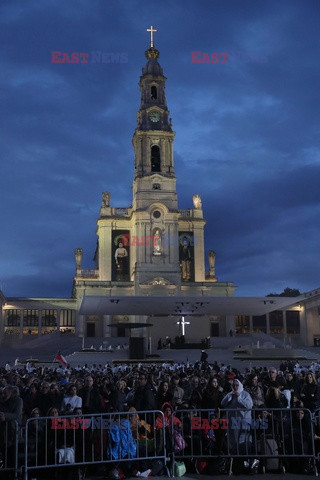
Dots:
{"x": 152, "y": 31}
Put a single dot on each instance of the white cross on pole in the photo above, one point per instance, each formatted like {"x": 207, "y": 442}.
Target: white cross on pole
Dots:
{"x": 152, "y": 31}
{"x": 183, "y": 324}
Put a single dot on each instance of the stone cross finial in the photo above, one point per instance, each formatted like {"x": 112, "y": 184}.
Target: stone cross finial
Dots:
{"x": 152, "y": 31}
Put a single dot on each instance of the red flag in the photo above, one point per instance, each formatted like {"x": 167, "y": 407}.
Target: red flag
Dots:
{"x": 60, "y": 358}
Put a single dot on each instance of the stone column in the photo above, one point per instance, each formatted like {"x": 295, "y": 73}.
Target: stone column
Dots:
{"x": 21, "y": 323}
{"x": 310, "y": 324}
{"x": 250, "y": 325}
{"x": 284, "y": 324}
{"x": 171, "y": 156}
{"x": 2, "y": 322}
{"x": 173, "y": 243}
{"x": 105, "y": 251}
{"x": 199, "y": 271}
{"x": 106, "y": 330}
{"x": 268, "y": 323}
{"x": 80, "y": 320}
{"x": 162, "y": 147}
{"x": 40, "y": 323}
{"x": 58, "y": 320}
{"x": 303, "y": 325}
{"x": 230, "y": 324}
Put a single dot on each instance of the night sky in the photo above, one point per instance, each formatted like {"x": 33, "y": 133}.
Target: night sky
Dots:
{"x": 247, "y": 132}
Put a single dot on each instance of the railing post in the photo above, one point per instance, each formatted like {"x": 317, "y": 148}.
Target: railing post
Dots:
{"x": 25, "y": 473}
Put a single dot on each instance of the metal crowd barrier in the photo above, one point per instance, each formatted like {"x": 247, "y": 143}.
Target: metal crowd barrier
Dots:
{"x": 9, "y": 441}
{"x": 81, "y": 440}
{"x": 316, "y": 419}
{"x": 262, "y": 434}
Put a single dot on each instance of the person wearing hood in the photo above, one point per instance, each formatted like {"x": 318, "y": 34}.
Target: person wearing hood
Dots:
{"x": 170, "y": 423}
{"x": 238, "y": 403}
{"x": 167, "y": 418}
{"x": 212, "y": 394}
{"x": 238, "y": 399}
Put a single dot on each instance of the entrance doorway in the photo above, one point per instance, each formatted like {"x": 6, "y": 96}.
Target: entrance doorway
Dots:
{"x": 91, "y": 329}
{"x": 121, "y": 332}
{"x": 214, "y": 330}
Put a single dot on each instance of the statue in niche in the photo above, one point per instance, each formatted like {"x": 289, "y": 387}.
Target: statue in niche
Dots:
{"x": 212, "y": 261}
{"x": 197, "y": 203}
{"x": 78, "y": 257}
{"x": 185, "y": 259}
{"x": 105, "y": 199}
{"x": 157, "y": 244}
{"x": 121, "y": 257}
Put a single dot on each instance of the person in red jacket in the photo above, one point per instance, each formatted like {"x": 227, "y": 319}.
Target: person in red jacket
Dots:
{"x": 168, "y": 418}
{"x": 170, "y": 423}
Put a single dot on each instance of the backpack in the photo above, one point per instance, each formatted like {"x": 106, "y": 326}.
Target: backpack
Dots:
{"x": 179, "y": 441}
{"x": 267, "y": 445}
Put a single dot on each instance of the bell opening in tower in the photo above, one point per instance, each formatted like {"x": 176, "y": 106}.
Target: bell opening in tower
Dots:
{"x": 154, "y": 93}
{"x": 155, "y": 159}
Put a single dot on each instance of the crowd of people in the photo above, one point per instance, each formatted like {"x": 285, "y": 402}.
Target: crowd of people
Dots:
{"x": 33, "y": 392}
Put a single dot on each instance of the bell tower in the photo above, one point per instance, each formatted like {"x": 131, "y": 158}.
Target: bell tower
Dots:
{"x": 152, "y": 242}
{"x": 154, "y": 175}
{"x": 155, "y": 204}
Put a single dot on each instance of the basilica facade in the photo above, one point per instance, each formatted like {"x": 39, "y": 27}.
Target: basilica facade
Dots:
{"x": 150, "y": 248}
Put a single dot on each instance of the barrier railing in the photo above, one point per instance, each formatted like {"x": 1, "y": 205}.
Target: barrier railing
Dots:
{"x": 108, "y": 438}
{"x": 252, "y": 436}
{"x": 9, "y": 441}
{"x": 316, "y": 420}
{"x": 140, "y": 438}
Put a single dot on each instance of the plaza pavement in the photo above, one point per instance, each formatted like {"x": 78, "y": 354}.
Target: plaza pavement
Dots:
{"x": 45, "y": 348}
{"x": 214, "y": 354}
{"x": 180, "y": 356}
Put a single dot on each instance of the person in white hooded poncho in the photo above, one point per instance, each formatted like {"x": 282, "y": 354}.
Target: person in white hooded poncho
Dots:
{"x": 238, "y": 398}
{"x": 238, "y": 404}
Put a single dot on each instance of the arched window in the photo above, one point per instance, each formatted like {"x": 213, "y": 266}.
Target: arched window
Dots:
{"x": 155, "y": 159}
{"x": 154, "y": 93}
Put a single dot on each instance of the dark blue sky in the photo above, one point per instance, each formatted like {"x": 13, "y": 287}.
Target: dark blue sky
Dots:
{"x": 247, "y": 133}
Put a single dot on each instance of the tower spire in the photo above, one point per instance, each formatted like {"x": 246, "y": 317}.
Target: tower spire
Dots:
{"x": 152, "y": 31}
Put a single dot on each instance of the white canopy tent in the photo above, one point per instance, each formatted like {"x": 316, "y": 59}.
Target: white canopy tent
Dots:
{"x": 173, "y": 305}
